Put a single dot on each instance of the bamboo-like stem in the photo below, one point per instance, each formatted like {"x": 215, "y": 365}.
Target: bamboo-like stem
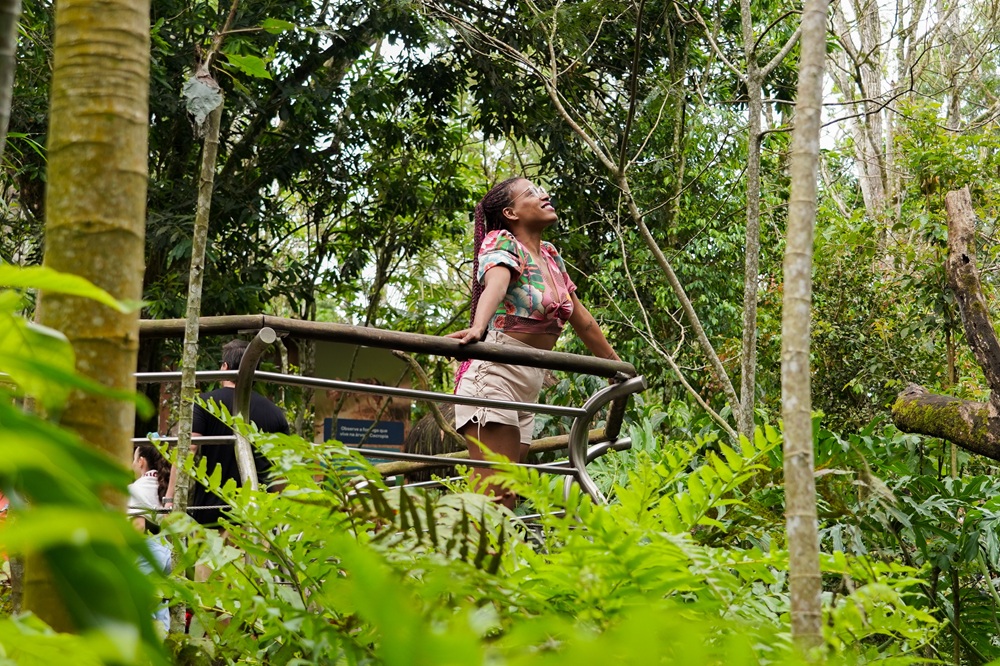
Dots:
{"x": 805, "y": 582}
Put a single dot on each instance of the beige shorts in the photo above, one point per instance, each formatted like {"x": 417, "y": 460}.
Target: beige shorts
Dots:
{"x": 500, "y": 381}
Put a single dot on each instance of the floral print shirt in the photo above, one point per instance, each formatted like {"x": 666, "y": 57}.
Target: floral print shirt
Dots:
{"x": 530, "y": 305}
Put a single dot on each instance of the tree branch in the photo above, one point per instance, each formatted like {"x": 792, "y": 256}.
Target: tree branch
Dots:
{"x": 963, "y": 278}
{"x": 963, "y": 422}
{"x": 974, "y": 426}
{"x": 781, "y": 55}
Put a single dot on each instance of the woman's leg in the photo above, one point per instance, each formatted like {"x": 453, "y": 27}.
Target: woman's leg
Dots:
{"x": 498, "y": 438}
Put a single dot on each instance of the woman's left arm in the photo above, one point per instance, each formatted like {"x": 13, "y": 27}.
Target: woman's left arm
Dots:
{"x": 586, "y": 327}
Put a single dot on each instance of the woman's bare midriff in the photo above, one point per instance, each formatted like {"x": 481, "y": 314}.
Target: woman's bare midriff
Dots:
{"x": 544, "y": 341}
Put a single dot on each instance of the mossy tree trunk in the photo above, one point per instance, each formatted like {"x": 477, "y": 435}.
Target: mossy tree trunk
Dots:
{"x": 95, "y": 221}
{"x": 974, "y": 426}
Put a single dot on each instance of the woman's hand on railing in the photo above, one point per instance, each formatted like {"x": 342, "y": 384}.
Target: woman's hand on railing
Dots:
{"x": 467, "y": 335}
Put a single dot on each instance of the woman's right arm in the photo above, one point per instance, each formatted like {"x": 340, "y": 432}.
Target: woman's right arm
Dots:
{"x": 495, "y": 284}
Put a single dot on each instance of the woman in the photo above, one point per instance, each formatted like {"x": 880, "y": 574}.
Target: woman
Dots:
{"x": 152, "y": 472}
{"x": 522, "y": 297}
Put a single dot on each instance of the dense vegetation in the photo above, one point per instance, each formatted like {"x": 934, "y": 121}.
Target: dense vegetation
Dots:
{"x": 356, "y": 137}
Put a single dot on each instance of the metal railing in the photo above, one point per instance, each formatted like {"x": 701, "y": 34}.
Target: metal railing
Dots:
{"x": 580, "y": 454}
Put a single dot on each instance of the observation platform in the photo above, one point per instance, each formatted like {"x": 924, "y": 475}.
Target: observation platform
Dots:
{"x": 583, "y": 444}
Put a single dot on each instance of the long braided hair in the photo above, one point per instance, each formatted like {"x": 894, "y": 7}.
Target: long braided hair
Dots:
{"x": 488, "y": 217}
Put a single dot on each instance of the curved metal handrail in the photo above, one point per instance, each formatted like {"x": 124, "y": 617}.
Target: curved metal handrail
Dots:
{"x": 581, "y": 426}
{"x": 244, "y": 389}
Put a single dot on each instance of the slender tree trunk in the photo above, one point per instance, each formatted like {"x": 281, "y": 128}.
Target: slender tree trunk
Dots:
{"x": 95, "y": 222}
{"x": 679, "y": 62}
{"x": 871, "y": 74}
{"x": 10, "y": 12}
{"x": 862, "y": 87}
{"x": 204, "y": 87}
{"x": 956, "y": 613}
{"x": 755, "y": 104}
{"x": 796, "y": 401}
{"x": 952, "y": 38}
{"x": 952, "y": 379}
{"x": 189, "y": 359}
{"x": 189, "y": 356}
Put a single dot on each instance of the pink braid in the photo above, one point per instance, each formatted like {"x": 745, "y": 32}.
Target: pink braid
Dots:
{"x": 488, "y": 216}
{"x": 478, "y": 234}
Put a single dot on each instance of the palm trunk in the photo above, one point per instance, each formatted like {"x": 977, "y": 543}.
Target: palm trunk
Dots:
{"x": 796, "y": 401}
{"x": 95, "y": 226}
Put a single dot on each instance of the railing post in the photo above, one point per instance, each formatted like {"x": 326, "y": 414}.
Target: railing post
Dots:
{"x": 244, "y": 388}
{"x": 581, "y": 427}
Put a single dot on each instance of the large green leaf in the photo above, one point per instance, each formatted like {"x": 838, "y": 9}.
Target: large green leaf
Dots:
{"x": 26, "y": 641}
{"x": 53, "y": 481}
{"x": 37, "y": 358}
{"x": 249, "y": 64}
{"x": 65, "y": 471}
{"x": 47, "y": 279}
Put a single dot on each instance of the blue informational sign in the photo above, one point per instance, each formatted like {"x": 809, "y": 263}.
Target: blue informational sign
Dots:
{"x": 386, "y": 435}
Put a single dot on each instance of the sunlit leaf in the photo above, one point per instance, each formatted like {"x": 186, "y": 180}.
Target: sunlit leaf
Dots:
{"x": 47, "y": 279}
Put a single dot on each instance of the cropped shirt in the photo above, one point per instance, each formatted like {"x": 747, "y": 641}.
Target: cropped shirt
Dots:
{"x": 531, "y": 305}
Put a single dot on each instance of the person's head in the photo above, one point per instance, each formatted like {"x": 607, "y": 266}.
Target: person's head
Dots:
{"x": 232, "y": 354}
{"x": 147, "y": 457}
{"x": 505, "y": 206}
{"x": 489, "y": 211}
{"x": 513, "y": 202}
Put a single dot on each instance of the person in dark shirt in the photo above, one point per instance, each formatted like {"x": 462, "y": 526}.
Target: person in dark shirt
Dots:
{"x": 263, "y": 413}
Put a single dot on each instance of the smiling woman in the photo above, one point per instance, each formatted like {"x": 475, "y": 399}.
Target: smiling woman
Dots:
{"x": 522, "y": 296}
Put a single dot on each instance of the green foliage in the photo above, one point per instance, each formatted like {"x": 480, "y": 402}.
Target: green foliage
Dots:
{"x": 339, "y": 568}
{"x": 54, "y": 483}
{"x": 884, "y": 314}
{"x": 878, "y": 500}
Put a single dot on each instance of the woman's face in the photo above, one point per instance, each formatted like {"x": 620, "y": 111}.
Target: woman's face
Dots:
{"x": 530, "y": 204}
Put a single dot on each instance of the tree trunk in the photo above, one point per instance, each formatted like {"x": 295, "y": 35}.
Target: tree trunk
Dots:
{"x": 95, "y": 226}
{"x": 10, "y": 12}
{"x": 796, "y": 401}
{"x": 189, "y": 360}
{"x": 751, "y": 270}
{"x": 754, "y": 78}
{"x": 864, "y": 89}
{"x": 974, "y": 426}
